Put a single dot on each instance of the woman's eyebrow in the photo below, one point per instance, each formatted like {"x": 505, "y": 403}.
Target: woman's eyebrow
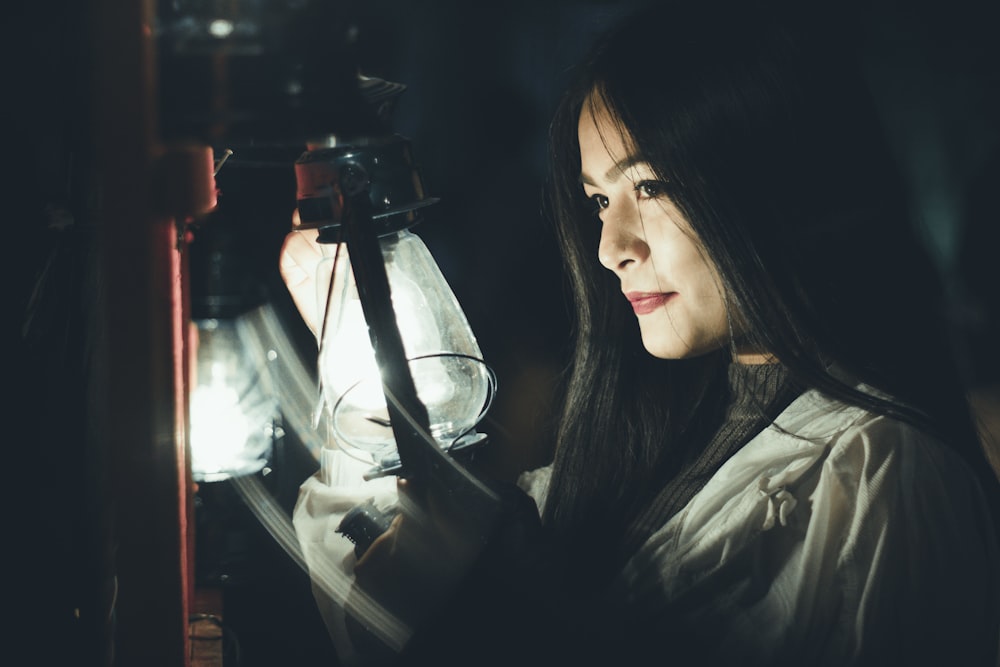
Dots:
{"x": 612, "y": 174}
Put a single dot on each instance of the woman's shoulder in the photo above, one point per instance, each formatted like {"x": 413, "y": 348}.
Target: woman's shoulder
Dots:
{"x": 833, "y": 513}
{"x": 815, "y": 432}
{"x": 854, "y": 439}
{"x": 820, "y": 448}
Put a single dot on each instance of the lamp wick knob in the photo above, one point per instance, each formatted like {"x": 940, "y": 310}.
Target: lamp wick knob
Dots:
{"x": 353, "y": 179}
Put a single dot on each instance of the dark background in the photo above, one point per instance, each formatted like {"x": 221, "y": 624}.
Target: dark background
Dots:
{"x": 482, "y": 81}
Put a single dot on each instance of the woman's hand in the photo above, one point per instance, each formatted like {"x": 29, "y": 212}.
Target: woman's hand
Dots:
{"x": 420, "y": 559}
{"x": 301, "y": 253}
{"x": 411, "y": 570}
{"x": 467, "y": 599}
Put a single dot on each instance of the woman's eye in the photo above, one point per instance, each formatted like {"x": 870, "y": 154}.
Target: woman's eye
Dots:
{"x": 650, "y": 189}
{"x": 600, "y": 202}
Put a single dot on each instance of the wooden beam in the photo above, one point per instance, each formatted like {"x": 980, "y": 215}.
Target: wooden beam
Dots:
{"x": 142, "y": 349}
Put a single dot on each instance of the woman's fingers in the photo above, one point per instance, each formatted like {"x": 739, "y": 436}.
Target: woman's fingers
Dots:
{"x": 300, "y": 255}
{"x": 381, "y": 552}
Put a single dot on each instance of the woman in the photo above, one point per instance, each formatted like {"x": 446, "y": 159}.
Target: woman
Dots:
{"x": 765, "y": 455}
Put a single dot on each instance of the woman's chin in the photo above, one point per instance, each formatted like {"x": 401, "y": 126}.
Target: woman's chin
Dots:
{"x": 667, "y": 349}
{"x": 674, "y": 347}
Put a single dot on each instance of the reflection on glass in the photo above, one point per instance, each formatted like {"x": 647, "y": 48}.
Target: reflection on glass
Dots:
{"x": 451, "y": 379}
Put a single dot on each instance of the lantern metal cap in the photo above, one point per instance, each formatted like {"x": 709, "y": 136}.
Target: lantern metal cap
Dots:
{"x": 396, "y": 191}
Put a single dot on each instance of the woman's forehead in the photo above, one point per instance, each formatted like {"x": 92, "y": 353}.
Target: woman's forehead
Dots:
{"x": 598, "y": 122}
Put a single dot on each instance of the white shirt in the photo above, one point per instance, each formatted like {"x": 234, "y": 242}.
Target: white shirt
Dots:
{"x": 834, "y": 537}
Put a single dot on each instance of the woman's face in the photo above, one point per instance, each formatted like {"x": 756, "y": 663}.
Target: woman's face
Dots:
{"x": 665, "y": 273}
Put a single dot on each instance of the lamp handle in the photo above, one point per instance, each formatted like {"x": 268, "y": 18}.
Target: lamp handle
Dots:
{"x": 426, "y": 467}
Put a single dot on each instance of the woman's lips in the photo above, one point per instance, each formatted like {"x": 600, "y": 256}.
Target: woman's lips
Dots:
{"x": 645, "y": 302}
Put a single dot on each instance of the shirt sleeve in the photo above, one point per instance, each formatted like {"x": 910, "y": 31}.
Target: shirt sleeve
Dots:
{"x": 323, "y": 501}
{"x": 871, "y": 547}
{"x": 915, "y": 580}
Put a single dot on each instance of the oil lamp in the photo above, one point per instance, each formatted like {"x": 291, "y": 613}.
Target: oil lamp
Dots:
{"x": 234, "y": 411}
{"x": 233, "y": 407}
{"x": 370, "y": 186}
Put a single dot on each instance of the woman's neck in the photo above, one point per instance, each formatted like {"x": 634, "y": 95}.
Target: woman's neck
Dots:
{"x": 753, "y": 357}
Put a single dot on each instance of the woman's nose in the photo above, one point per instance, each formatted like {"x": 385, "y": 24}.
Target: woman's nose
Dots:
{"x": 622, "y": 242}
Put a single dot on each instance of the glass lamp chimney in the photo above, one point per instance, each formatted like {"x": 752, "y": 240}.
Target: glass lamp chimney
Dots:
{"x": 442, "y": 353}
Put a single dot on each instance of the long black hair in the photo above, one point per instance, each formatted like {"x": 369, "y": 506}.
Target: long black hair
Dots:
{"x": 763, "y": 130}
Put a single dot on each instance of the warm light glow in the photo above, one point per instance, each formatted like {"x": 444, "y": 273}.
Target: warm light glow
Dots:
{"x": 232, "y": 406}
{"x": 451, "y": 380}
{"x": 349, "y": 353}
{"x": 220, "y": 28}
{"x": 219, "y": 429}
